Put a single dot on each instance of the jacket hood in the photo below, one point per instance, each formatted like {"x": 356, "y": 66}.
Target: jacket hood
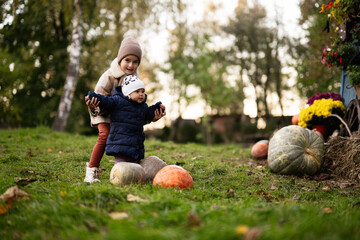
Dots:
{"x": 115, "y": 69}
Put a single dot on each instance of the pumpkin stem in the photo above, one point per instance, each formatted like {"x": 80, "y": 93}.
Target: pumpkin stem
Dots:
{"x": 311, "y": 153}
{"x": 342, "y": 121}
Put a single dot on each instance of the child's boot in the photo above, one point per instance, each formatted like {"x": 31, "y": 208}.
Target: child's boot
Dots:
{"x": 91, "y": 174}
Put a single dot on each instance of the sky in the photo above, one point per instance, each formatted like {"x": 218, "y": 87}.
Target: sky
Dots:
{"x": 286, "y": 10}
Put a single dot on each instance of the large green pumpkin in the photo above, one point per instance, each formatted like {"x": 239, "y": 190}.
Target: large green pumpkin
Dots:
{"x": 295, "y": 150}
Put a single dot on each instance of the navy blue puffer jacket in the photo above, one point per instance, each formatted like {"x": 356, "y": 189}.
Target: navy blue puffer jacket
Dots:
{"x": 127, "y": 120}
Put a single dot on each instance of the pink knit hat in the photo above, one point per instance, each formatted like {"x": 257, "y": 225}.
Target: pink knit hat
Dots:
{"x": 129, "y": 46}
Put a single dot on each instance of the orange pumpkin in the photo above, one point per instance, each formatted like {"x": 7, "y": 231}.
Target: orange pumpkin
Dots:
{"x": 295, "y": 119}
{"x": 173, "y": 176}
{"x": 260, "y": 149}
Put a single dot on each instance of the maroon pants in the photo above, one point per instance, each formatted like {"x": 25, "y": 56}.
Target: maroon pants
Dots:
{"x": 99, "y": 148}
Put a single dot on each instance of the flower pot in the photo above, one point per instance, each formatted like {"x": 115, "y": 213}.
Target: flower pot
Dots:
{"x": 321, "y": 130}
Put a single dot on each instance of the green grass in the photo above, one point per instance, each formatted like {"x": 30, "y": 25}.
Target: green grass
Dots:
{"x": 51, "y": 166}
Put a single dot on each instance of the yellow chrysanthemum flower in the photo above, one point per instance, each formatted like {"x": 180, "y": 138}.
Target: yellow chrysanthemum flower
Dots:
{"x": 320, "y": 108}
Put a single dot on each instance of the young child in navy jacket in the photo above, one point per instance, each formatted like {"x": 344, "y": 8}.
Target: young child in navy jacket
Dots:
{"x": 128, "y": 114}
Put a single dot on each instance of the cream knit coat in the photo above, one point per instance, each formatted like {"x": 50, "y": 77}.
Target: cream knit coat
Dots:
{"x": 110, "y": 79}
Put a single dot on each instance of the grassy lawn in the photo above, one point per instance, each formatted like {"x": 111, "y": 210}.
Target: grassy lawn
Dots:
{"x": 233, "y": 196}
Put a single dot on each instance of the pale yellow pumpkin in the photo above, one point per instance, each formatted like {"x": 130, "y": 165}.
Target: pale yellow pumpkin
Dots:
{"x": 125, "y": 173}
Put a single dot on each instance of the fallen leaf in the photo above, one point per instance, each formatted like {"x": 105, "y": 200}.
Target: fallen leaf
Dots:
{"x": 327, "y": 209}
{"x": 180, "y": 155}
{"x": 16, "y": 235}
{"x": 252, "y": 234}
{"x": 155, "y": 214}
{"x": 180, "y": 163}
{"x": 63, "y": 193}
{"x": 133, "y": 198}
{"x": 30, "y": 154}
{"x": 4, "y": 208}
{"x": 158, "y": 148}
{"x": 322, "y": 176}
{"x": 343, "y": 185}
{"x": 326, "y": 188}
{"x": 50, "y": 150}
{"x": 281, "y": 197}
{"x": 260, "y": 192}
{"x": 242, "y": 229}
{"x": 27, "y": 171}
{"x": 295, "y": 197}
{"x": 273, "y": 187}
{"x": 306, "y": 189}
{"x": 193, "y": 220}
{"x": 268, "y": 197}
{"x": 118, "y": 215}
{"x": 9, "y": 196}
{"x": 24, "y": 182}
{"x": 214, "y": 206}
{"x": 13, "y": 193}
{"x": 230, "y": 192}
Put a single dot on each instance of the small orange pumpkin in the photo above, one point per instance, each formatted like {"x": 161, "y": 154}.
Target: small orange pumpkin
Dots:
{"x": 173, "y": 176}
{"x": 260, "y": 149}
{"x": 295, "y": 119}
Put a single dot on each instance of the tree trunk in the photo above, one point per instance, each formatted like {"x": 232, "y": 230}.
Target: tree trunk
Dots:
{"x": 64, "y": 109}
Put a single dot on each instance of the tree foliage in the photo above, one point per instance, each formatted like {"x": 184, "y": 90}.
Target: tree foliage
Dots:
{"x": 35, "y": 37}
{"x": 257, "y": 51}
{"x": 193, "y": 62}
{"x": 34, "y": 41}
{"x": 313, "y": 76}
{"x": 194, "y": 65}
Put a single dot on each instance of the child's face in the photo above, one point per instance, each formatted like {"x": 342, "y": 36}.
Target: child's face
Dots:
{"x": 129, "y": 64}
{"x": 138, "y": 95}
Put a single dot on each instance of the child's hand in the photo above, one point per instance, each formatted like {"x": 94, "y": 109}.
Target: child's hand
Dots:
{"x": 92, "y": 104}
{"x": 159, "y": 113}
